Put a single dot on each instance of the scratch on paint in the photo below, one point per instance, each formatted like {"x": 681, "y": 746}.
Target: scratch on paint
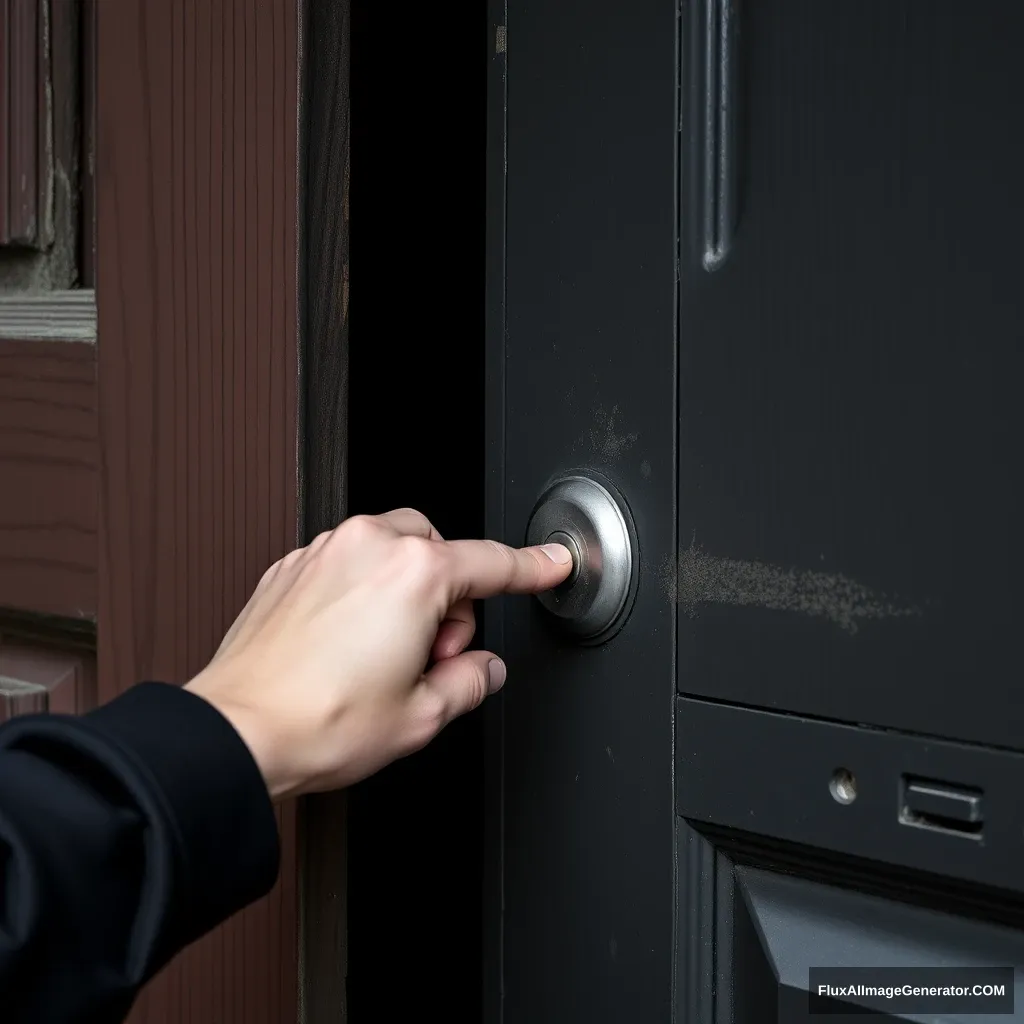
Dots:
{"x": 703, "y": 579}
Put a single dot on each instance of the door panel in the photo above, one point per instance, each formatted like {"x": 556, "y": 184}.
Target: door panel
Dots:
{"x": 588, "y": 381}
{"x": 49, "y": 462}
{"x": 38, "y": 677}
{"x": 150, "y": 429}
{"x": 948, "y": 808}
{"x": 849, "y": 420}
{"x": 786, "y": 926}
{"x": 753, "y": 264}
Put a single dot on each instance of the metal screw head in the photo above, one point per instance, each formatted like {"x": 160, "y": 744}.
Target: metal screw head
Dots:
{"x": 843, "y": 786}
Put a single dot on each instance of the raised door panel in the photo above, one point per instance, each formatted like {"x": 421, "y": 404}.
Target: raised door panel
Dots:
{"x": 49, "y": 465}
{"x": 37, "y": 678}
{"x": 849, "y": 484}
{"x": 784, "y": 928}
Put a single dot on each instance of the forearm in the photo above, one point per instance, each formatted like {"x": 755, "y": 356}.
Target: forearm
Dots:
{"x": 124, "y": 835}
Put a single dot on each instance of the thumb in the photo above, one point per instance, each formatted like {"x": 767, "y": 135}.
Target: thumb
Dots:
{"x": 460, "y": 684}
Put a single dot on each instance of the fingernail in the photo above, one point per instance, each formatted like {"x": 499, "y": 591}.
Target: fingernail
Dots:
{"x": 495, "y": 675}
{"x": 557, "y": 553}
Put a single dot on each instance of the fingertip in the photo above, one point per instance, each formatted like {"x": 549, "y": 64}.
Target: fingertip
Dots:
{"x": 558, "y": 553}
{"x": 462, "y": 683}
{"x": 557, "y": 564}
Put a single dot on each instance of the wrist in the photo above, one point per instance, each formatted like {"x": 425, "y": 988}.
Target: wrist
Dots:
{"x": 250, "y": 725}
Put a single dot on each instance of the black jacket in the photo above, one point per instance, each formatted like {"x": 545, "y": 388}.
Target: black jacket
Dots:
{"x": 125, "y": 834}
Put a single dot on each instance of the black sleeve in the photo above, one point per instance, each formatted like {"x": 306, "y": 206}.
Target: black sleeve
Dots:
{"x": 124, "y": 835}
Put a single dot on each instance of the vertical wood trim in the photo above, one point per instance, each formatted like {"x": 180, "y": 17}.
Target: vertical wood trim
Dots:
{"x": 44, "y": 121}
{"x": 20, "y": 84}
{"x": 326, "y": 148}
{"x": 196, "y": 154}
{"x": 87, "y": 142}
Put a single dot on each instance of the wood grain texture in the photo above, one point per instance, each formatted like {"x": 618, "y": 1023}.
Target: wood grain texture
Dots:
{"x": 20, "y": 84}
{"x": 327, "y": 264}
{"x": 197, "y": 106}
{"x": 87, "y": 143}
{"x": 49, "y": 473}
{"x": 326, "y": 327}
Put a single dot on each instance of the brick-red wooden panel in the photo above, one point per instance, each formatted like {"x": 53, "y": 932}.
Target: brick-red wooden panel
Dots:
{"x": 197, "y": 108}
{"x": 49, "y": 473}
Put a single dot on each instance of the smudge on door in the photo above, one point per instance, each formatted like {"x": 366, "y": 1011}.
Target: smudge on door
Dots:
{"x": 702, "y": 578}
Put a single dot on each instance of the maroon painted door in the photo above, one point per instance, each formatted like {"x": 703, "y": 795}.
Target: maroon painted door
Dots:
{"x": 148, "y": 380}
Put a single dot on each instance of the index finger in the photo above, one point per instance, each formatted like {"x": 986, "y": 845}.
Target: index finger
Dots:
{"x": 486, "y": 568}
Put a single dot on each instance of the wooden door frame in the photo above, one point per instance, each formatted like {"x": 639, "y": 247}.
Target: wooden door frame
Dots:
{"x": 215, "y": 345}
{"x": 169, "y": 434}
{"x": 325, "y": 349}
{"x": 197, "y": 289}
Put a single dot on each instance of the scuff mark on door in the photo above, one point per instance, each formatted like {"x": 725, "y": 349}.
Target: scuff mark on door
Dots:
{"x": 702, "y": 578}
{"x": 605, "y": 438}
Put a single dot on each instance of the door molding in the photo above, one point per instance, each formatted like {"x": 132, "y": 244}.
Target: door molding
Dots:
{"x": 325, "y": 297}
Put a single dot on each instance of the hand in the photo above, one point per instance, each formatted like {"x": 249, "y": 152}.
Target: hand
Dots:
{"x": 351, "y": 652}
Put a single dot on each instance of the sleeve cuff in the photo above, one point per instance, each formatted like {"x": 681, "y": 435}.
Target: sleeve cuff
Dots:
{"x": 219, "y": 804}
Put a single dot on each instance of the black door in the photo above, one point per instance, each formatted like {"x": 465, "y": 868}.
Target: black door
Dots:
{"x": 759, "y": 268}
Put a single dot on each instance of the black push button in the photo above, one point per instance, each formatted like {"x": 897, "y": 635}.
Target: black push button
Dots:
{"x": 941, "y": 806}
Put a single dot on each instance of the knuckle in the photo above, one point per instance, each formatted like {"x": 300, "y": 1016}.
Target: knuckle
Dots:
{"x": 423, "y": 559}
{"x": 285, "y": 567}
{"x": 416, "y": 514}
{"x": 359, "y": 524}
{"x": 320, "y": 540}
{"x": 406, "y": 510}
{"x": 356, "y": 530}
